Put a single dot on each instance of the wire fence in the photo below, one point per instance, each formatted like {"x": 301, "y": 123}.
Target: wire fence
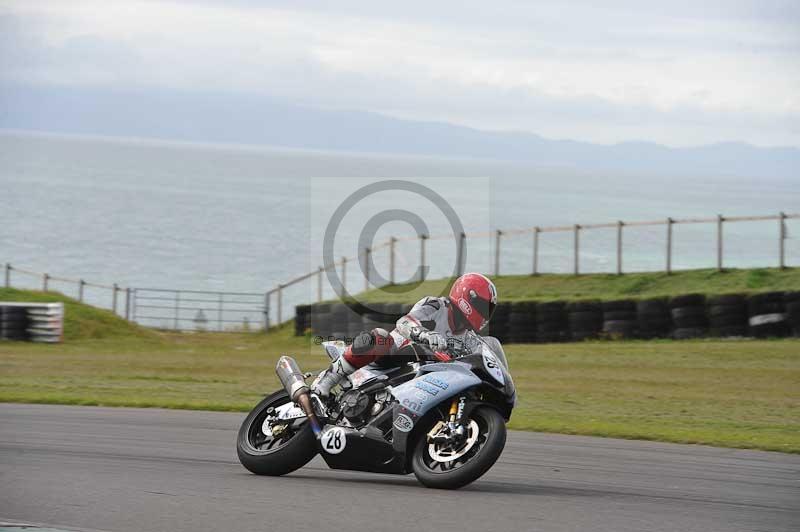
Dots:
{"x": 576, "y": 249}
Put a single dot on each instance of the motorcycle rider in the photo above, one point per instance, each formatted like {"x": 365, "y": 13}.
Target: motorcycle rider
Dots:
{"x": 436, "y": 321}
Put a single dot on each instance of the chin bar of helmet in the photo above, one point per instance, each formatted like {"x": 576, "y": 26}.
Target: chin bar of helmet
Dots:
{"x": 295, "y": 385}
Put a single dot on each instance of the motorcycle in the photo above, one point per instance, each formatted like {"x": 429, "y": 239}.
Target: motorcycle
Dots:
{"x": 440, "y": 415}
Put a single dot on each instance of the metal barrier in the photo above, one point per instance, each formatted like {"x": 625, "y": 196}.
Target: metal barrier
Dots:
{"x": 199, "y": 310}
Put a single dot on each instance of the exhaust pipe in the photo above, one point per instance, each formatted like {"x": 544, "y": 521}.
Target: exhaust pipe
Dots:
{"x": 295, "y": 385}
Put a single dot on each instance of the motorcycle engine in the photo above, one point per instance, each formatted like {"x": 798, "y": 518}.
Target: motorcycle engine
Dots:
{"x": 355, "y": 405}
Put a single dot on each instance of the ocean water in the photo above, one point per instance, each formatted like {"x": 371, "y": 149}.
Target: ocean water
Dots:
{"x": 235, "y": 218}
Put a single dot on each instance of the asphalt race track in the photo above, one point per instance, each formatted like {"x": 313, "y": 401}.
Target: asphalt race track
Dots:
{"x": 114, "y": 469}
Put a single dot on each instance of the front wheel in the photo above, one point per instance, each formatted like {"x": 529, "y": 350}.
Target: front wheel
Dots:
{"x": 265, "y": 451}
{"x": 441, "y": 466}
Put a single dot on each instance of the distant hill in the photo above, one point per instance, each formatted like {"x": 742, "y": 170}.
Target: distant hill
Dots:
{"x": 250, "y": 119}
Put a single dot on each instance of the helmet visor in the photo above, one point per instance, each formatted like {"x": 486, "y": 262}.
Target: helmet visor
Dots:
{"x": 484, "y": 307}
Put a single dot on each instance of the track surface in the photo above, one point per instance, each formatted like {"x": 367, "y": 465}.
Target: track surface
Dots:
{"x": 138, "y": 470}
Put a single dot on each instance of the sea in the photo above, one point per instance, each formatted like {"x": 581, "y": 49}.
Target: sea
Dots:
{"x": 176, "y": 215}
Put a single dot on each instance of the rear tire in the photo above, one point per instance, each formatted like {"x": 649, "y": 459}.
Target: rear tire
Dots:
{"x": 491, "y": 441}
{"x": 275, "y": 460}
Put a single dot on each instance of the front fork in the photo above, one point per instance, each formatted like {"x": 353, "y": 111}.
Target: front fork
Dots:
{"x": 453, "y": 430}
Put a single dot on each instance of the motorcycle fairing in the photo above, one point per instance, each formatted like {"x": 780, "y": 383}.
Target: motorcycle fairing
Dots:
{"x": 435, "y": 384}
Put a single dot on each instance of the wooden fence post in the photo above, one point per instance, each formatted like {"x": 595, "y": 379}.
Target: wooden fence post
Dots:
{"x": 619, "y": 247}
{"x": 114, "y": 290}
{"x": 8, "y": 275}
{"x": 720, "y": 219}
{"x": 497, "y": 252}
{"x": 669, "y": 245}
{"x": 177, "y": 309}
{"x": 781, "y": 242}
{"x": 536, "y": 250}
{"x": 128, "y": 304}
{"x": 45, "y": 279}
{"x": 576, "y": 258}
{"x": 81, "y": 284}
{"x": 266, "y": 311}
{"x": 280, "y": 304}
{"x": 460, "y": 255}
{"x": 220, "y": 304}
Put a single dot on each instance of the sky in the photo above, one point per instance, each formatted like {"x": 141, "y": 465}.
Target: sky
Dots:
{"x": 680, "y": 73}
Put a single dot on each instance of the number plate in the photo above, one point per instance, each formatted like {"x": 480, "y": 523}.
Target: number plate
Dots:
{"x": 334, "y": 440}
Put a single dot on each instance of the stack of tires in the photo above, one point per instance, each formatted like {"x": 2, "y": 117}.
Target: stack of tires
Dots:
{"x": 619, "y": 319}
{"x": 46, "y": 322}
{"x": 522, "y": 323}
{"x": 551, "y": 322}
{"x": 766, "y": 315}
{"x": 727, "y": 316}
{"x": 792, "y": 301}
{"x": 340, "y": 321}
{"x": 320, "y": 319}
{"x": 585, "y": 319}
{"x": 653, "y": 319}
{"x": 13, "y": 323}
{"x": 688, "y": 316}
{"x": 355, "y": 320}
{"x": 302, "y": 319}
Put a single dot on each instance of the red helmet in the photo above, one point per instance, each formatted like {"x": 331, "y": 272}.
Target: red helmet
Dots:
{"x": 475, "y": 297}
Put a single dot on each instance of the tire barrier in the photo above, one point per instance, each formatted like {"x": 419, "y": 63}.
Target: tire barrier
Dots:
{"x": 727, "y": 316}
{"x": 302, "y": 319}
{"x": 653, "y": 318}
{"x": 688, "y": 316}
{"x": 522, "y": 323}
{"x": 792, "y": 300}
{"x": 585, "y": 319}
{"x": 551, "y": 322}
{"x": 35, "y": 322}
{"x": 766, "y": 315}
{"x": 619, "y": 319}
{"x": 499, "y": 326}
{"x": 762, "y": 315}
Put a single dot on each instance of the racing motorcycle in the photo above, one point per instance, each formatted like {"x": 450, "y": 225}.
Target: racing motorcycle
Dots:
{"x": 440, "y": 415}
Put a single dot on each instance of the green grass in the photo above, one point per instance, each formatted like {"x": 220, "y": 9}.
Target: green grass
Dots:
{"x": 730, "y": 393}
{"x": 607, "y": 286}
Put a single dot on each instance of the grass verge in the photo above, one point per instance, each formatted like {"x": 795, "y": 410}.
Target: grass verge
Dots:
{"x": 742, "y": 394}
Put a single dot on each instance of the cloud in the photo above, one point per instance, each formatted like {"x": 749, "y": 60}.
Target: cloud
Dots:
{"x": 680, "y": 74}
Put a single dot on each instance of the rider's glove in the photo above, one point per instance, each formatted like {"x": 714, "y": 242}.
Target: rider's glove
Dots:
{"x": 433, "y": 339}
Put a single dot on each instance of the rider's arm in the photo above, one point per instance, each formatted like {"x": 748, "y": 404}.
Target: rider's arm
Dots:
{"x": 420, "y": 314}
{"x": 419, "y": 323}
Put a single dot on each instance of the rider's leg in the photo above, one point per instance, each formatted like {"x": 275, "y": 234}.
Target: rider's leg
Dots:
{"x": 366, "y": 348}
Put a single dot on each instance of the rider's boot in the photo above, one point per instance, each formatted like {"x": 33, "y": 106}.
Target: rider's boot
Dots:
{"x": 332, "y": 376}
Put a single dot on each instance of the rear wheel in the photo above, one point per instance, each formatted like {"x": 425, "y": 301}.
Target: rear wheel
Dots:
{"x": 274, "y": 449}
{"x": 442, "y": 466}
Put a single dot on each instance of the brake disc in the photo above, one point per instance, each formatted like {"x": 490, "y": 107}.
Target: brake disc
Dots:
{"x": 444, "y": 451}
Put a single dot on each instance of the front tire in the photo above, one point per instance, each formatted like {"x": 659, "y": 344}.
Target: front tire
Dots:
{"x": 263, "y": 455}
{"x": 466, "y": 468}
